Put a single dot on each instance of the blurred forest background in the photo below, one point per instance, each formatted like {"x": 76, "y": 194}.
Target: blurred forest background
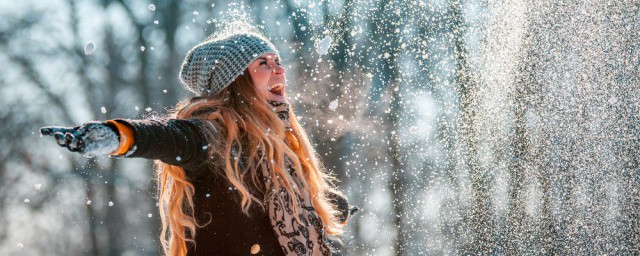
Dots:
{"x": 459, "y": 127}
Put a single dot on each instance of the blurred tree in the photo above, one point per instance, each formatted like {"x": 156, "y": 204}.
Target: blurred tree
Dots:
{"x": 466, "y": 81}
{"x": 385, "y": 30}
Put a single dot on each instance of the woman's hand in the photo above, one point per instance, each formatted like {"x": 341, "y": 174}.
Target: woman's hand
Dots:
{"x": 90, "y": 139}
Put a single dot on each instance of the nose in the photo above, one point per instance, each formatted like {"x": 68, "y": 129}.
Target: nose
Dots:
{"x": 278, "y": 70}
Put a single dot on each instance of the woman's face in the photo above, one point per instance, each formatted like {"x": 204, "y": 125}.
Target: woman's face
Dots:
{"x": 268, "y": 77}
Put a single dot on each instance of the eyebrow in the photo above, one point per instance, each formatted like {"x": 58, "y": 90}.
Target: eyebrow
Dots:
{"x": 263, "y": 58}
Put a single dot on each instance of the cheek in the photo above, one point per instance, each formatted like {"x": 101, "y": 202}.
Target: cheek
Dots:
{"x": 259, "y": 77}
{"x": 260, "y": 80}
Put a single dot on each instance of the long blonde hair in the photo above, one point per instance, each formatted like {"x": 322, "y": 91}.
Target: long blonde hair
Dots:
{"x": 247, "y": 123}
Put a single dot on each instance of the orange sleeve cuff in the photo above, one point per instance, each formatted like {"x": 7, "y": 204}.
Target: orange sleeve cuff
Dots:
{"x": 126, "y": 137}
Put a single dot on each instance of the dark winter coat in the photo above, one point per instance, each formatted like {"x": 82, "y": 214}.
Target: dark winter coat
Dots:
{"x": 229, "y": 231}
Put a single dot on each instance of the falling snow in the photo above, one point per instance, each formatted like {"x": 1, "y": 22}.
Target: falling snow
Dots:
{"x": 333, "y": 105}
{"x": 458, "y": 127}
{"x": 323, "y": 46}
{"x": 89, "y": 48}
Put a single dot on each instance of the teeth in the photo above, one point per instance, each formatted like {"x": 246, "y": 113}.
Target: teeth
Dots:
{"x": 276, "y": 87}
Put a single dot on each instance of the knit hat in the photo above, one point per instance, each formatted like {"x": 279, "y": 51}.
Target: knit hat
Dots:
{"x": 213, "y": 64}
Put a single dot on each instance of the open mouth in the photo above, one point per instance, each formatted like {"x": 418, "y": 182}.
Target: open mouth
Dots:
{"x": 277, "y": 89}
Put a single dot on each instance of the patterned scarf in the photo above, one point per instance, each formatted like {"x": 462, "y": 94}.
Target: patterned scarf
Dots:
{"x": 304, "y": 237}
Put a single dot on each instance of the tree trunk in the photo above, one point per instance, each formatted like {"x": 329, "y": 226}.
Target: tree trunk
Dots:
{"x": 481, "y": 213}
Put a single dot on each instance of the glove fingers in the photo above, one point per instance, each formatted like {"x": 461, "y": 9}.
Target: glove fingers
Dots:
{"x": 46, "y": 130}
{"x": 60, "y": 138}
{"x": 69, "y": 138}
{"x": 75, "y": 143}
{"x": 87, "y": 139}
{"x": 52, "y": 130}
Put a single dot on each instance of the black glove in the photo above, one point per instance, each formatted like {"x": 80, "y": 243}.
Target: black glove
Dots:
{"x": 90, "y": 139}
{"x": 346, "y": 210}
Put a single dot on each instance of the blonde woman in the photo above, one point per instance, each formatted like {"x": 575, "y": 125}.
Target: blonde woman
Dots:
{"x": 236, "y": 172}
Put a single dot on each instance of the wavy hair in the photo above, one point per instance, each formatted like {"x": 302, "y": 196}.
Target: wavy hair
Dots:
{"x": 248, "y": 134}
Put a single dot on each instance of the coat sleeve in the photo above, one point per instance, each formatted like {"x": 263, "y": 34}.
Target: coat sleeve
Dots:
{"x": 180, "y": 142}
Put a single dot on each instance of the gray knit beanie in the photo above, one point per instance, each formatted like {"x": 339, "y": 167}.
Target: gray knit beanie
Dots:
{"x": 213, "y": 64}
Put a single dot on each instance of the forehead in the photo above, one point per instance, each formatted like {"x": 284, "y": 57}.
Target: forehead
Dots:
{"x": 269, "y": 56}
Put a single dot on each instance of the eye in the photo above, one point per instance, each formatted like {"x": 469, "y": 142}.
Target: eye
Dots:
{"x": 263, "y": 62}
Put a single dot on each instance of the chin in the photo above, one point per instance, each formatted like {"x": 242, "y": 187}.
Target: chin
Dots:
{"x": 275, "y": 97}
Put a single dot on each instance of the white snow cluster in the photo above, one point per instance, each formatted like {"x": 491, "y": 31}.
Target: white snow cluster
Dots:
{"x": 89, "y": 48}
{"x": 323, "y": 46}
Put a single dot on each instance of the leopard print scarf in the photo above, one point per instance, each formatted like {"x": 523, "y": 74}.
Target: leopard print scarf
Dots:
{"x": 304, "y": 237}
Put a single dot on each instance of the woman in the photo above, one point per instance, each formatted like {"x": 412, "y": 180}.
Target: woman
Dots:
{"x": 236, "y": 172}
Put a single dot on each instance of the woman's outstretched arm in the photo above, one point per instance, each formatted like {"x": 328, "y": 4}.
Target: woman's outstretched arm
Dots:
{"x": 181, "y": 142}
